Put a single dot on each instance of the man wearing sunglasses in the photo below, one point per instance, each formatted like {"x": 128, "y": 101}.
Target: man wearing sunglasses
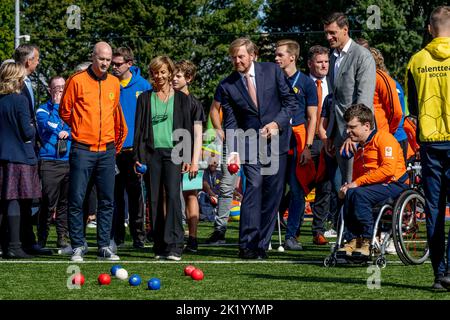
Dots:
{"x": 132, "y": 84}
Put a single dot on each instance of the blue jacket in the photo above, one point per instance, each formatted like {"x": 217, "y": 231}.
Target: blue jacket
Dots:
{"x": 400, "y": 134}
{"x": 128, "y": 100}
{"x": 16, "y": 130}
{"x": 49, "y": 126}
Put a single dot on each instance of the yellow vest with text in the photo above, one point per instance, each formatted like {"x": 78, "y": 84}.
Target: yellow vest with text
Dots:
{"x": 430, "y": 70}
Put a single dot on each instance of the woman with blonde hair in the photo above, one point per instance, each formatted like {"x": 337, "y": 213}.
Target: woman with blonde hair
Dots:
{"x": 19, "y": 180}
{"x": 159, "y": 112}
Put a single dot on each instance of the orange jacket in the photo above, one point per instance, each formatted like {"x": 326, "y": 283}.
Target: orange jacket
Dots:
{"x": 380, "y": 160}
{"x": 90, "y": 106}
{"x": 411, "y": 129}
{"x": 386, "y": 104}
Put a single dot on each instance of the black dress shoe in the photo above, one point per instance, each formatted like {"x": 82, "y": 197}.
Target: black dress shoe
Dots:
{"x": 262, "y": 254}
{"x": 445, "y": 282}
{"x": 38, "y": 250}
{"x": 248, "y": 254}
{"x": 17, "y": 253}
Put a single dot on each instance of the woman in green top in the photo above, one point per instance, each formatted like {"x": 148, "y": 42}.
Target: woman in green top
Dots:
{"x": 159, "y": 112}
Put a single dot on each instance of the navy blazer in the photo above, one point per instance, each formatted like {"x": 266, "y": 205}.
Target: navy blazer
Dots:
{"x": 16, "y": 130}
{"x": 276, "y": 102}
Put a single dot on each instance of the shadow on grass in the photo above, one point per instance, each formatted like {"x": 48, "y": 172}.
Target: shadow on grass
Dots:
{"x": 340, "y": 280}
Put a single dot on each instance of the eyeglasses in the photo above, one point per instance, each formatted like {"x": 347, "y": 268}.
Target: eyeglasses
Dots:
{"x": 118, "y": 65}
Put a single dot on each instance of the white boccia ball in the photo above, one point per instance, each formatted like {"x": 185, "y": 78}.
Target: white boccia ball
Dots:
{"x": 280, "y": 249}
{"x": 122, "y": 274}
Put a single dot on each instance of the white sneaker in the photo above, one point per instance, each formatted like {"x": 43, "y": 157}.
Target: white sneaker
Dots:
{"x": 106, "y": 253}
{"x": 69, "y": 251}
{"x": 390, "y": 248}
{"x": 330, "y": 234}
{"x": 77, "y": 254}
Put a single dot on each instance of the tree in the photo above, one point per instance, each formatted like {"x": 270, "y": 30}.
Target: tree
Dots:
{"x": 199, "y": 30}
{"x": 6, "y": 29}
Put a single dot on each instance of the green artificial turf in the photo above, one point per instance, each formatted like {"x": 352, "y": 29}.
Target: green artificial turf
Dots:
{"x": 284, "y": 276}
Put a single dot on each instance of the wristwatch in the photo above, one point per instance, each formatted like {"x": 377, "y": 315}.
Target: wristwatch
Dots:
{"x": 309, "y": 146}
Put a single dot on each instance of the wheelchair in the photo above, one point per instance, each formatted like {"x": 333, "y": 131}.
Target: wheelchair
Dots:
{"x": 402, "y": 220}
{"x": 380, "y": 239}
{"x": 409, "y": 221}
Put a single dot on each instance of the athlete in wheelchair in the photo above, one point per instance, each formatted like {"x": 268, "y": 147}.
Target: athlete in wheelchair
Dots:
{"x": 379, "y": 176}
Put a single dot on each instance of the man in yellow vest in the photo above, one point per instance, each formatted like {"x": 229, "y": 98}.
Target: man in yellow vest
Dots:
{"x": 428, "y": 85}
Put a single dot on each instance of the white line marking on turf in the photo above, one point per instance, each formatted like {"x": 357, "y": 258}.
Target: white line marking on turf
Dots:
{"x": 180, "y": 262}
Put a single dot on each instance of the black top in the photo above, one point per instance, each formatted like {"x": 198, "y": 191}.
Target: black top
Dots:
{"x": 143, "y": 134}
{"x": 16, "y": 130}
{"x": 197, "y": 111}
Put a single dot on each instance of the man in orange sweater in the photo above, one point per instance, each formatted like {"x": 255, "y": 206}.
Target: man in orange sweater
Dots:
{"x": 90, "y": 106}
{"x": 378, "y": 173}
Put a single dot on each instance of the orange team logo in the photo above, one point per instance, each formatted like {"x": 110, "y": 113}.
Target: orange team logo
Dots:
{"x": 138, "y": 93}
{"x": 111, "y": 96}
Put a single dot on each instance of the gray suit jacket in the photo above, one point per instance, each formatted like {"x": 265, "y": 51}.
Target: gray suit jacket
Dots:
{"x": 354, "y": 83}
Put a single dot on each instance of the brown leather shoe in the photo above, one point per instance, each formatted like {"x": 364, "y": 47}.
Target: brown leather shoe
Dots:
{"x": 348, "y": 248}
{"x": 320, "y": 240}
{"x": 363, "y": 250}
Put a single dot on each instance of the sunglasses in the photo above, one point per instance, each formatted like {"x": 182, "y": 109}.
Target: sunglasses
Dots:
{"x": 118, "y": 65}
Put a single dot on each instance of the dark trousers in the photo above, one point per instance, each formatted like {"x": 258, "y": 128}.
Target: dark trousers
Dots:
{"x": 27, "y": 236}
{"x": 435, "y": 159}
{"x": 260, "y": 204}
{"x": 325, "y": 202}
{"x": 83, "y": 165}
{"x": 358, "y": 204}
{"x": 163, "y": 180}
{"x": 55, "y": 188}
{"x": 127, "y": 180}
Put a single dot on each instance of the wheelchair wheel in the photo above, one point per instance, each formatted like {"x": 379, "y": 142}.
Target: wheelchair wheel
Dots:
{"x": 330, "y": 261}
{"x": 380, "y": 262}
{"x": 410, "y": 234}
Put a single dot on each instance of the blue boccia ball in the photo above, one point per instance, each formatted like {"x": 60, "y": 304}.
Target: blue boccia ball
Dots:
{"x": 345, "y": 155}
{"x": 114, "y": 269}
{"x": 142, "y": 169}
{"x": 154, "y": 284}
{"x": 135, "y": 280}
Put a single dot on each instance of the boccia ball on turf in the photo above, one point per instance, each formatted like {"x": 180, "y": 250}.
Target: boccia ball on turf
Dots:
{"x": 104, "y": 279}
{"x": 154, "y": 284}
{"x": 188, "y": 270}
{"x": 197, "y": 275}
{"x": 233, "y": 168}
{"x": 114, "y": 269}
{"x": 122, "y": 274}
{"x": 135, "y": 280}
{"x": 78, "y": 279}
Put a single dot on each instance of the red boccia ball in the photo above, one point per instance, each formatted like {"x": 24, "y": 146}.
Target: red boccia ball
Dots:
{"x": 78, "y": 279}
{"x": 197, "y": 274}
{"x": 188, "y": 270}
{"x": 104, "y": 279}
{"x": 233, "y": 168}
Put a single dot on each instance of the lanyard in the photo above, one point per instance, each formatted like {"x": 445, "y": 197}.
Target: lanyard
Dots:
{"x": 295, "y": 80}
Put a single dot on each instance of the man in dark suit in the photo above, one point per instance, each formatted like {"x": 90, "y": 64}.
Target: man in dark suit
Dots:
{"x": 28, "y": 56}
{"x": 258, "y": 100}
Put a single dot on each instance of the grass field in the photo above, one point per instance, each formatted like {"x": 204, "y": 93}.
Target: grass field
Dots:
{"x": 284, "y": 276}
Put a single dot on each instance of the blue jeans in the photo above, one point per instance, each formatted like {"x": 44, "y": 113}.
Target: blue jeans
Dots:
{"x": 83, "y": 165}
{"x": 359, "y": 202}
{"x": 435, "y": 160}
{"x": 297, "y": 202}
